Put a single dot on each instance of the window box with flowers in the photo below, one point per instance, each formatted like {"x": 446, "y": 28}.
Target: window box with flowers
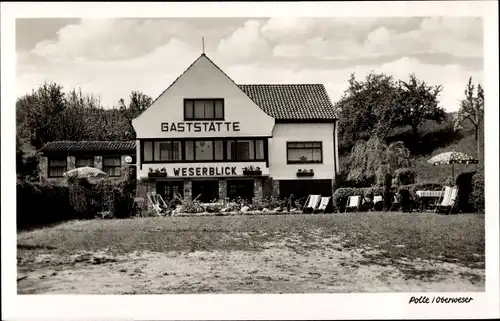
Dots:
{"x": 157, "y": 172}
{"x": 250, "y": 170}
{"x": 305, "y": 173}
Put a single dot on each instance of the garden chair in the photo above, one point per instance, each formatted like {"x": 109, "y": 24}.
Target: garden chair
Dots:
{"x": 155, "y": 202}
{"x": 378, "y": 202}
{"x": 448, "y": 200}
{"x": 353, "y": 202}
{"x": 323, "y": 203}
{"x": 312, "y": 202}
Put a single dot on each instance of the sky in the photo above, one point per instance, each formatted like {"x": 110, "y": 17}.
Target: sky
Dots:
{"x": 111, "y": 57}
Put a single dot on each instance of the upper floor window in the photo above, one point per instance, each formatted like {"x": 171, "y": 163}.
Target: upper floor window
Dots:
{"x": 57, "y": 166}
{"x": 304, "y": 152}
{"x": 84, "y": 161}
{"x": 203, "y": 150}
{"x": 203, "y": 109}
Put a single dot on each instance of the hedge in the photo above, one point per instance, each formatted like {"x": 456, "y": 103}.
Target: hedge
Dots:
{"x": 477, "y": 196}
{"x": 39, "y": 204}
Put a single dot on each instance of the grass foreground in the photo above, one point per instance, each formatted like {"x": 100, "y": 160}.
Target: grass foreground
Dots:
{"x": 357, "y": 252}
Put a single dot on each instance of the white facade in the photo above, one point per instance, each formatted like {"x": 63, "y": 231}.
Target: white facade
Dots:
{"x": 283, "y": 133}
{"x": 167, "y": 121}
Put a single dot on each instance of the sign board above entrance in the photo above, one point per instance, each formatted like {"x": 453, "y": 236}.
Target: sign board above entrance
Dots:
{"x": 190, "y": 170}
{"x": 203, "y": 126}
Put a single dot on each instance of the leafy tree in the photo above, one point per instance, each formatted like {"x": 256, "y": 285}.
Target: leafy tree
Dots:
{"x": 418, "y": 102}
{"x": 38, "y": 113}
{"x": 138, "y": 103}
{"x": 471, "y": 109}
{"x": 372, "y": 160}
{"x": 366, "y": 107}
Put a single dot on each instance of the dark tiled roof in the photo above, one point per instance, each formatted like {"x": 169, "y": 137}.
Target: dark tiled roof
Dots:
{"x": 292, "y": 102}
{"x": 94, "y": 146}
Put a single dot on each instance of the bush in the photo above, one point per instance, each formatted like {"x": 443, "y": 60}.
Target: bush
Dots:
{"x": 477, "y": 196}
{"x": 191, "y": 206}
{"x": 404, "y": 176}
{"x": 341, "y": 195}
{"x": 41, "y": 204}
{"x": 464, "y": 183}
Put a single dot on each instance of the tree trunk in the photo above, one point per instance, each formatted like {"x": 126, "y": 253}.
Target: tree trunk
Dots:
{"x": 478, "y": 145}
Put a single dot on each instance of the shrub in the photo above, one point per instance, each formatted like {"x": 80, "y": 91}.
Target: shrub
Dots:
{"x": 404, "y": 176}
{"x": 477, "y": 196}
{"x": 341, "y": 195}
{"x": 41, "y": 204}
{"x": 191, "y": 206}
{"x": 464, "y": 183}
{"x": 213, "y": 208}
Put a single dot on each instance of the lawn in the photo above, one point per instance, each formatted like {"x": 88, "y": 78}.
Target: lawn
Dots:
{"x": 357, "y": 252}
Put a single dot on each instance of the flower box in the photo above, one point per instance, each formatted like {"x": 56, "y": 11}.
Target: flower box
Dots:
{"x": 157, "y": 174}
{"x": 305, "y": 174}
{"x": 252, "y": 172}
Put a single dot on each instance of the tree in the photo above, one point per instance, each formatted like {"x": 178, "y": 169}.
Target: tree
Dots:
{"x": 471, "y": 109}
{"x": 418, "y": 102}
{"x": 138, "y": 103}
{"x": 38, "y": 113}
{"x": 372, "y": 160}
{"x": 367, "y": 107}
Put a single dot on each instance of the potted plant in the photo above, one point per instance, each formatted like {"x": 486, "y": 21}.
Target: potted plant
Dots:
{"x": 250, "y": 170}
{"x": 305, "y": 173}
{"x": 157, "y": 172}
{"x": 303, "y": 159}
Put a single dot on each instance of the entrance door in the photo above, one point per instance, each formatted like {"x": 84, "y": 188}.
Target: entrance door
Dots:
{"x": 208, "y": 190}
{"x": 168, "y": 190}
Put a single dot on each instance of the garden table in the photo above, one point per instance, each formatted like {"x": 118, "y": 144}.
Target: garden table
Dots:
{"x": 429, "y": 196}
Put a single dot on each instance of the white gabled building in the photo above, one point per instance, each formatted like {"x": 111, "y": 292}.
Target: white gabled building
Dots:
{"x": 207, "y": 136}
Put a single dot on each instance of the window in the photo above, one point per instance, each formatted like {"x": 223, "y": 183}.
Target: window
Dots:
{"x": 168, "y": 151}
{"x": 304, "y": 152}
{"x": 203, "y": 150}
{"x": 57, "y": 166}
{"x": 245, "y": 150}
{"x": 203, "y": 109}
{"x": 112, "y": 165}
{"x": 84, "y": 161}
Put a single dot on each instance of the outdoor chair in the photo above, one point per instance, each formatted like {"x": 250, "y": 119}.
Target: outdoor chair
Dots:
{"x": 157, "y": 203}
{"x": 366, "y": 204}
{"x": 378, "y": 203}
{"x": 353, "y": 202}
{"x": 323, "y": 204}
{"x": 448, "y": 200}
{"x": 312, "y": 202}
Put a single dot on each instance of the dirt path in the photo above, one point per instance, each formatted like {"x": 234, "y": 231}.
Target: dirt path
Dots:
{"x": 280, "y": 268}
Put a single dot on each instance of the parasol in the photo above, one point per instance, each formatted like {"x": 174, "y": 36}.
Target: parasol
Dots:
{"x": 452, "y": 158}
{"x": 86, "y": 172}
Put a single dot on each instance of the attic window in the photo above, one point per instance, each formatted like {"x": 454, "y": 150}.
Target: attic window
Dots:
{"x": 203, "y": 109}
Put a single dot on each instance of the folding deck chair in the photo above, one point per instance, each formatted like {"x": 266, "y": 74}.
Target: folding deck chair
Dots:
{"x": 448, "y": 200}
{"x": 323, "y": 203}
{"x": 158, "y": 203}
{"x": 353, "y": 202}
{"x": 312, "y": 202}
{"x": 378, "y": 202}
